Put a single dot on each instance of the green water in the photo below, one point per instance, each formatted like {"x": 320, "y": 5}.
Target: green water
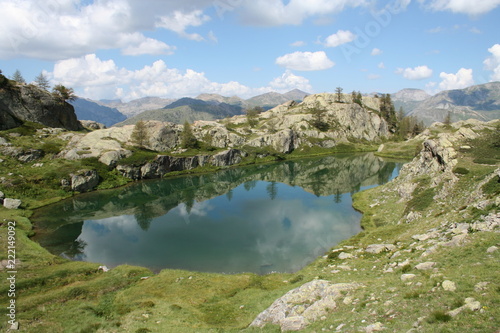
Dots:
{"x": 262, "y": 218}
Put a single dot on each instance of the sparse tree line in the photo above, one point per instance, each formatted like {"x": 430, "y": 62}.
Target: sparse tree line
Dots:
{"x": 41, "y": 81}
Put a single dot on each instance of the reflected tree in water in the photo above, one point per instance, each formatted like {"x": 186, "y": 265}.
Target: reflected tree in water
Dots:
{"x": 272, "y": 190}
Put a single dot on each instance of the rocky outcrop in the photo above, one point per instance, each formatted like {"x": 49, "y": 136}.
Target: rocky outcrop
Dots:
{"x": 163, "y": 164}
{"x": 10, "y": 203}
{"x": 19, "y": 103}
{"x": 303, "y": 305}
{"x": 92, "y": 125}
{"x": 82, "y": 181}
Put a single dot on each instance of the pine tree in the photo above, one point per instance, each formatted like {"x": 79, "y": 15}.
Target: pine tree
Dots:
{"x": 188, "y": 140}
{"x": 65, "y": 94}
{"x": 338, "y": 92}
{"x": 18, "y": 77}
{"x": 140, "y": 135}
{"x": 42, "y": 82}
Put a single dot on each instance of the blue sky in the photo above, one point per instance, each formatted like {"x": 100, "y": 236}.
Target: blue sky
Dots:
{"x": 129, "y": 49}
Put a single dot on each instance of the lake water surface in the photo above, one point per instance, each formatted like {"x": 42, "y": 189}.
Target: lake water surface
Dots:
{"x": 262, "y": 218}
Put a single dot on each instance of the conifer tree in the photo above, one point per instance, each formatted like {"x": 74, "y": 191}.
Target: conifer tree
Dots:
{"x": 42, "y": 82}
{"x": 18, "y": 77}
{"x": 188, "y": 140}
{"x": 140, "y": 135}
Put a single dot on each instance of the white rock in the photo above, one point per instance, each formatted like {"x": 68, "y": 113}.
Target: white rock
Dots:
{"x": 407, "y": 277}
{"x": 374, "y": 327}
{"x": 10, "y": 203}
{"x": 425, "y": 266}
{"x": 449, "y": 285}
{"x": 492, "y": 249}
{"x": 344, "y": 255}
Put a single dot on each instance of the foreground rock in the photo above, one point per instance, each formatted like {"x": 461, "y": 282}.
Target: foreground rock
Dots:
{"x": 304, "y": 305}
{"x": 21, "y": 103}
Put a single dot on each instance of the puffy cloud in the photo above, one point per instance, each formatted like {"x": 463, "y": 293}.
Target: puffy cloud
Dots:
{"x": 381, "y": 65}
{"x": 462, "y": 79}
{"x": 179, "y": 22}
{"x": 339, "y": 38}
{"x": 54, "y": 30}
{"x": 462, "y": 6}
{"x": 289, "y": 81}
{"x": 97, "y": 79}
{"x": 305, "y": 61}
{"x": 417, "y": 73}
{"x": 293, "y": 12}
{"x": 376, "y": 52}
{"x": 373, "y": 76}
{"x": 492, "y": 63}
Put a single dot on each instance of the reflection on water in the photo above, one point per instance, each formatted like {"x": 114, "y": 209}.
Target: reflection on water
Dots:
{"x": 274, "y": 217}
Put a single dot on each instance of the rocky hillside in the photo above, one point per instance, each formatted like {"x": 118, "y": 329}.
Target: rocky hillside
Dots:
{"x": 86, "y": 109}
{"x": 428, "y": 259}
{"x": 477, "y": 102}
{"x": 409, "y": 99}
{"x": 316, "y": 122}
{"x": 20, "y": 102}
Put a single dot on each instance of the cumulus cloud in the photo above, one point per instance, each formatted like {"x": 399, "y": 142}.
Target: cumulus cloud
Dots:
{"x": 179, "y": 22}
{"x": 376, "y": 52}
{"x": 94, "y": 78}
{"x": 339, "y": 38}
{"x": 54, "y": 30}
{"x": 373, "y": 76}
{"x": 462, "y": 79}
{"x": 381, "y": 65}
{"x": 417, "y": 73}
{"x": 305, "y": 61}
{"x": 292, "y": 12}
{"x": 492, "y": 63}
{"x": 462, "y": 6}
{"x": 289, "y": 81}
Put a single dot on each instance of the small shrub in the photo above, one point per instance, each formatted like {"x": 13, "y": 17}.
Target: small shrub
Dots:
{"x": 142, "y": 330}
{"x": 297, "y": 279}
{"x": 492, "y": 187}
{"x": 76, "y": 292}
{"x": 438, "y": 316}
{"x": 460, "y": 171}
{"x": 406, "y": 268}
{"x": 175, "y": 307}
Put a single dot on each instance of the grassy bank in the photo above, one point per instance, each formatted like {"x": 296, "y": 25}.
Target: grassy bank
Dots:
{"x": 56, "y": 295}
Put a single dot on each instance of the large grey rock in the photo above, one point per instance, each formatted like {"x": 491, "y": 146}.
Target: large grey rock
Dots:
{"x": 30, "y": 103}
{"x": 379, "y": 248}
{"x": 92, "y": 124}
{"x": 111, "y": 158}
{"x": 84, "y": 180}
{"x": 10, "y": 203}
{"x": 303, "y": 305}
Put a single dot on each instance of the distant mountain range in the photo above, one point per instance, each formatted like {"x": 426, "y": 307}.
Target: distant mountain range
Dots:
{"x": 211, "y": 107}
{"x": 86, "y": 109}
{"x": 479, "y": 102}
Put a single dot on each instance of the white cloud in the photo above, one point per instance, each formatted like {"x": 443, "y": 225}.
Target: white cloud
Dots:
{"x": 305, "y": 61}
{"x": 179, "y": 22}
{"x": 462, "y": 79}
{"x": 55, "y": 30}
{"x": 289, "y": 81}
{"x": 146, "y": 46}
{"x": 417, "y": 73}
{"x": 292, "y": 12}
{"x": 298, "y": 43}
{"x": 376, "y": 52}
{"x": 492, "y": 63}
{"x": 97, "y": 79}
{"x": 373, "y": 76}
{"x": 381, "y": 65}
{"x": 462, "y": 6}
{"x": 339, "y": 38}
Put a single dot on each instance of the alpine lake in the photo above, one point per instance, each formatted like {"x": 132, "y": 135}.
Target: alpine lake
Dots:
{"x": 261, "y": 218}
